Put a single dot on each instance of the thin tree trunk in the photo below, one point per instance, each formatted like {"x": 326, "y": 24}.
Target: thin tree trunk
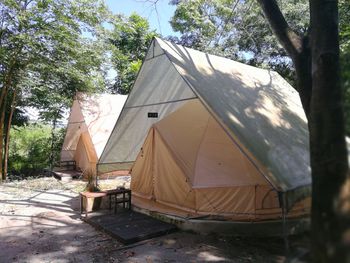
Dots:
{"x": 54, "y": 123}
{"x": 2, "y": 120}
{"x": 329, "y": 162}
{"x": 3, "y": 93}
{"x": 3, "y": 100}
{"x": 7, "y": 137}
{"x": 7, "y": 83}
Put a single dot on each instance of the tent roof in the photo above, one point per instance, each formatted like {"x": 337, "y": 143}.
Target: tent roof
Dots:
{"x": 257, "y": 108}
{"x": 100, "y": 113}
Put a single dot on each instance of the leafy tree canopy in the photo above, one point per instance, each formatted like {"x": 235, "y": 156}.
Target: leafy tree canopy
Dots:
{"x": 49, "y": 49}
{"x": 237, "y": 30}
{"x": 43, "y": 51}
{"x": 130, "y": 38}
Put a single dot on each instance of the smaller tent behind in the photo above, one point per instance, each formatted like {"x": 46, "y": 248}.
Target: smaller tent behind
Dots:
{"x": 90, "y": 123}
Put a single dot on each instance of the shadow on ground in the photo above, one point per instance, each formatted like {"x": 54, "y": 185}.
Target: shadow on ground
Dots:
{"x": 45, "y": 226}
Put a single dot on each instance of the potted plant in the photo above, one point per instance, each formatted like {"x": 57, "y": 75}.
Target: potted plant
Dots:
{"x": 91, "y": 202}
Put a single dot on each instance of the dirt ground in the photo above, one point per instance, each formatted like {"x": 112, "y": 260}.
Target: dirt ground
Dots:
{"x": 40, "y": 222}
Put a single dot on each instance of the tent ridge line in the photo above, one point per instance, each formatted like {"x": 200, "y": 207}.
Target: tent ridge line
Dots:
{"x": 80, "y": 109}
{"x": 172, "y": 154}
{"x": 201, "y": 141}
{"x": 110, "y": 135}
{"x": 74, "y": 122}
{"x": 148, "y": 59}
{"x": 219, "y": 120}
{"x": 99, "y": 164}
{"x": 159, "y": 103}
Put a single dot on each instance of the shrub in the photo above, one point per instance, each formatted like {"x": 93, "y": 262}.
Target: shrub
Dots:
{"x": 30, "y": 149}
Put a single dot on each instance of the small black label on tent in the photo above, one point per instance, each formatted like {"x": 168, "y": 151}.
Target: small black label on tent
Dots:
{"x": 153, "y": 115}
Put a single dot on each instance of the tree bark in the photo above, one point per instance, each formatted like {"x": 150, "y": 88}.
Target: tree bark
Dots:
{"x": 52, "y": 158}
{"x": 297, "y": 47}
{"x": 2, "y": 122}
{"x": 316, "y": 61}
{"x": 302, "y": 64}
{"x": 4, "y": 90}
{"x": 290, "y": 40}
{"x": 7, "y": 136}
{"x": 7, "y": 81}
{"x": 3, "y": 100}
{"x": 329, "y": 162}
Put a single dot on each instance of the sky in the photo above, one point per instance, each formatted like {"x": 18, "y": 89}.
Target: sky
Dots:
{"x": 159, "y": 22}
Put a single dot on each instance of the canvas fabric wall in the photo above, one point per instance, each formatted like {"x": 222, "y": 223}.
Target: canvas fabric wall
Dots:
{"x": 85, "y": 154}
{"x": 90, "y": 124}
{"x": 188, "y": 166}
{"x": 76, "y": 125}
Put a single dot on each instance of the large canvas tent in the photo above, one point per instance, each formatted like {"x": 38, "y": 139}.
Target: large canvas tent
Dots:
{"x": 90, "y": 124}
{"x": 206, "y": 135}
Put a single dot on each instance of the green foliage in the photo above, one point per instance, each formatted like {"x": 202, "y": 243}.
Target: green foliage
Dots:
{"x": 49, "y": 50}
{"x": 238, "y": 30}
{"x": 91, "y": 185}
{"x": 31, "y": 148}
{"x": 130, "y": 37}
{"x": 344, "y": 28}
{"x": 43, "y": 50}
{"x": 59, "y": 134}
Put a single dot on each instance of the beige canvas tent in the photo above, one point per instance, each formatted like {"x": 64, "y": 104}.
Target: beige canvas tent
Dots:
{"x": 90, "y": 124}
{"x": 208, "y": 136}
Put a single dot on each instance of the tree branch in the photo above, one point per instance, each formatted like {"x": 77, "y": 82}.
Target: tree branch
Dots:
{"x": 297, "y": 48}
{"x": 224, "y": 23}
{"x": 290, "y": 40}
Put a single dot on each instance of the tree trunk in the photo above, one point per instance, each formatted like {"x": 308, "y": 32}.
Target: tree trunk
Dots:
{"x": 302, "y": 64}
{"x": 7, "y": 82}
{"x": 329, "y": 162}
{"x": 7, "y": 137}
{"x": 316, "y": 61}
{"x": 4, "y": 90}
{"x": 2, "y": 120}
{"x": 54, "y": 123}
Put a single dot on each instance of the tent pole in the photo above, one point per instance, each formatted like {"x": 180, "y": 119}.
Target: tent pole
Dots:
{"x": 96, "y": 175}
{"x": 283, "y": 204}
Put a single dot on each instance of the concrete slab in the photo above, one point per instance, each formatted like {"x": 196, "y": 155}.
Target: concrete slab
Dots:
{"x": 270, "y": 228}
